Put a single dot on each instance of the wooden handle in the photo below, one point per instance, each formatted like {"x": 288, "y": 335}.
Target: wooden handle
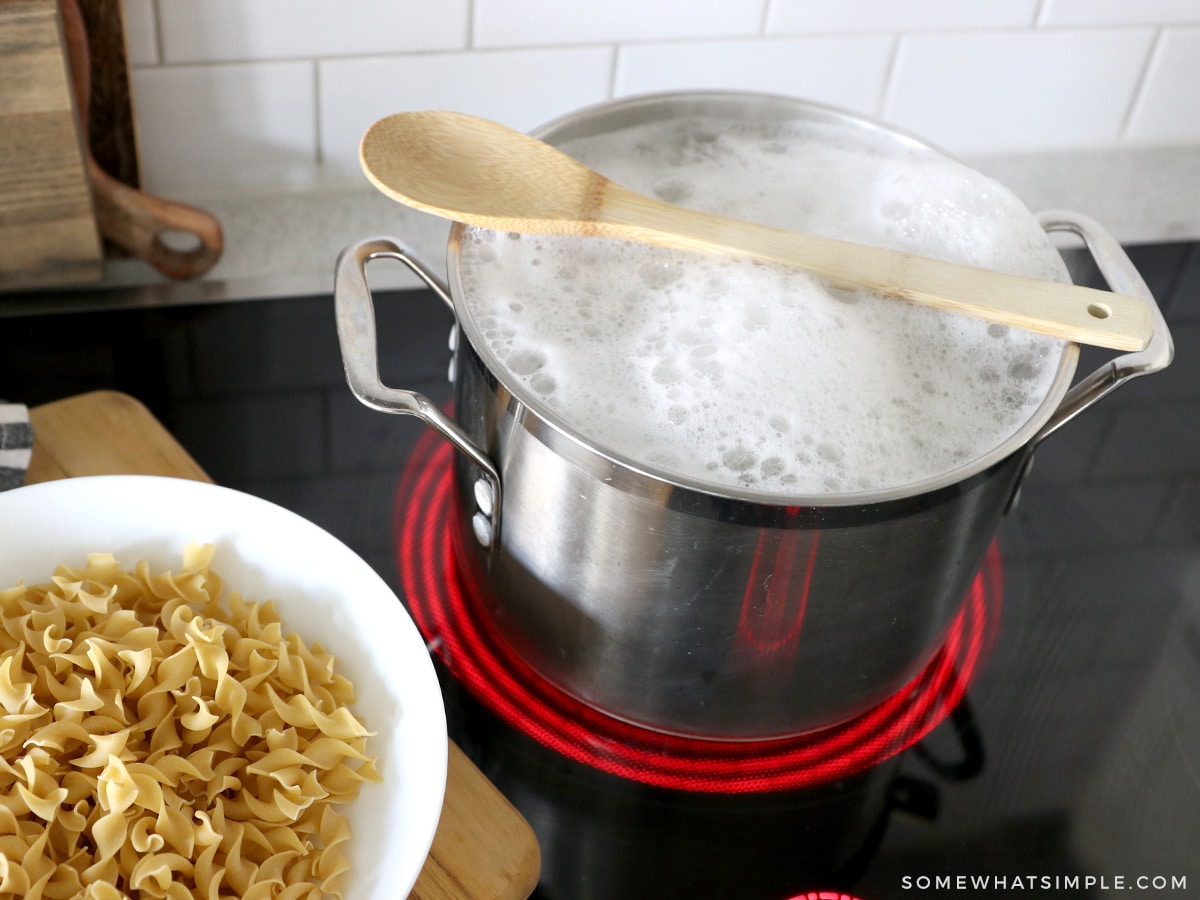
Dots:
{"x": 138, "y": 221}
{"x": 1068, "y": 311}
{"x": 130, "y": 218}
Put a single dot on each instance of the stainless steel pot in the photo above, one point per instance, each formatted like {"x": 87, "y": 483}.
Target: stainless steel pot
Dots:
{"x": 679, "y": 607}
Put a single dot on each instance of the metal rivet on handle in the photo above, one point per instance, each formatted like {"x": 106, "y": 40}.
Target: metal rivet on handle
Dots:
{"x": 485, "y": 496}
{"x": 482, "y": 526}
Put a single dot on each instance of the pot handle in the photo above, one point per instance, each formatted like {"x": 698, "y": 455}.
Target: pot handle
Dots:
{"x": 1123, "y": 278}
{"x": 355, "y": 312}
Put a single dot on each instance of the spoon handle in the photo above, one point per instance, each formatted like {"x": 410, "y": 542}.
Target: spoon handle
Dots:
{"x": 1081, "y": 314}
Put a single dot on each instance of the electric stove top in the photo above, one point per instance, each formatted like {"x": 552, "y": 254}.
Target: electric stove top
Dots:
{"x": 1052, "y": 747}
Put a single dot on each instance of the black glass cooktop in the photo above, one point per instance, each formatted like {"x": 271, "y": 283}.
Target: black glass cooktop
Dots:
{"x": 1070, "y": 766}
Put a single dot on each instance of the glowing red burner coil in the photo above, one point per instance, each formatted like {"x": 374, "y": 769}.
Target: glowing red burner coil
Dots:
{"x": 447, "y": 610}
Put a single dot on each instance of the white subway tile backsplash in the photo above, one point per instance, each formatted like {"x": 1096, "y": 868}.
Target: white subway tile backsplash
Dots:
{"x": 866, "y": 16}
{"x": 235, "y": 125}
{"x": 141, "y": 40}
{"x": 844, "y": 71}
{"x": 515, "y": 23}
{"x": 1168, "y": 110}
{"x": 238, "y": 92}
{"x": 1017, "y": 90}
{"x": 1120, "y": 12}
{"x": 234, "y": 30}
{"x": 520, "y": 88}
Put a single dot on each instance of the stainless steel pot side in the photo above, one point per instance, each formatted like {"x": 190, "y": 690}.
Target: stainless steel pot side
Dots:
{"x": 722, "y": 615}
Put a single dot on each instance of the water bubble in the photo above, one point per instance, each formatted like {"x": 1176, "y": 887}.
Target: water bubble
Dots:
{"x": 997, "y": 330}
{"x": 526, "y": 361}
{"x": 672, "y": 189}
{"x": 844, "y": 295}
{"x": 1012, "y": 398}
{"x": 544, "y": 383}
{"x": 830, "y": 452}
{"x": 659, "y": 274}
{"x": 663, "y": 458}
{"x": 1024, "y": 368}
{"x": 755, "y": 318}
{"x": 667, "y": 372}
{"x": 739, "y": 459}
{"x": 677, "y": 415}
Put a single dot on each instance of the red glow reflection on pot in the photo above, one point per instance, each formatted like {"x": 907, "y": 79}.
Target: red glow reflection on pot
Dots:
{"x": 772, "y": 613}
{"x": 446, "y": 610}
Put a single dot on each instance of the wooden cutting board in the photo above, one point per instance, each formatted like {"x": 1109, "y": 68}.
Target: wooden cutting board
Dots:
{"x": 483, "y": 849}
{"x": 48, "y": 233}
{"x": 112, "y": 131}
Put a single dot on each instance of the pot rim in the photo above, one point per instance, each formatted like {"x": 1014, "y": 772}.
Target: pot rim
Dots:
{"x": 645, "y": 107}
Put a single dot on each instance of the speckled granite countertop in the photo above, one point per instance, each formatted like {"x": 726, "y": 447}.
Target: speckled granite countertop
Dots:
{"x": 284, "y": 243}
{"x": 1141, "y": 195}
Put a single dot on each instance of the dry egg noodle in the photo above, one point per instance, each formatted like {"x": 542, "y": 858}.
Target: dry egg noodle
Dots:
{"x": 156, "y": 743}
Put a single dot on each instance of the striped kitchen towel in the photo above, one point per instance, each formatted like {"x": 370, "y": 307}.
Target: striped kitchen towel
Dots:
{"x": 16, "y": 444}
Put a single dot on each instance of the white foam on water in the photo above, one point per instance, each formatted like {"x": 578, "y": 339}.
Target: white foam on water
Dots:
{"x": 740, "y": 374}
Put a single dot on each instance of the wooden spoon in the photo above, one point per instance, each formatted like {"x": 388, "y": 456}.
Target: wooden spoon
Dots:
{"x": 481, "y": 173}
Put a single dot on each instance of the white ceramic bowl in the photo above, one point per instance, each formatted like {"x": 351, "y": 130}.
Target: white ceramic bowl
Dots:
{"x": 322, "y": 590}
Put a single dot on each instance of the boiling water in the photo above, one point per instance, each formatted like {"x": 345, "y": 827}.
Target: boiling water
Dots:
{"x": 743, "y": 375}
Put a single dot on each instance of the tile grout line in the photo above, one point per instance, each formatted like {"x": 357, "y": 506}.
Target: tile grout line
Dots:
{"x": 1041, "y": 13}
{"x": 889, "y": 75}
{"x": 158, "y": 32}
{"x": 1138, "y": 99}
{"x": 318, "y": 130}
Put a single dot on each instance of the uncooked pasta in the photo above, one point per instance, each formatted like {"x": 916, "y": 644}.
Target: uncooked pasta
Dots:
{"x": 161, "y": 740}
